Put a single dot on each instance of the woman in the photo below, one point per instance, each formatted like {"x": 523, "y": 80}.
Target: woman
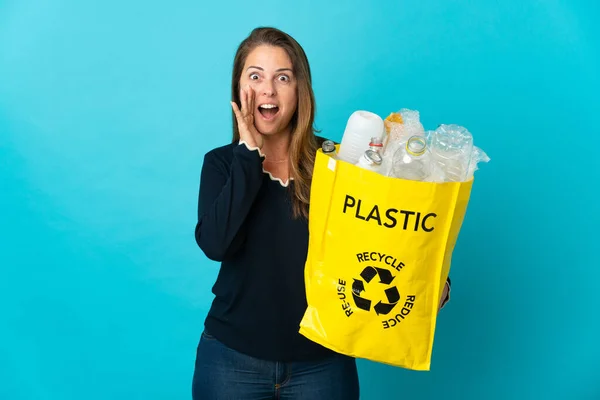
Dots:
{"x": 252, "y": 217}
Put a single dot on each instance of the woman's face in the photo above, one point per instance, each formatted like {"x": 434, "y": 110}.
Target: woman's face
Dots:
{"x": 268, "y": 70}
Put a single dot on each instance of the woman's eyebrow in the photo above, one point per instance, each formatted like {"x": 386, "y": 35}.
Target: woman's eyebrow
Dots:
{"x": 262, "y": 69}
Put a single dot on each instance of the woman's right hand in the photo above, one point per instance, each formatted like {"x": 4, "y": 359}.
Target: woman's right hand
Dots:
{"x": 245, "y": 119}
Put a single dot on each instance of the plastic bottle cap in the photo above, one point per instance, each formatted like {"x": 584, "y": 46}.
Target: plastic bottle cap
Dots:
{"x": 376, "y": 142}
{"x": 328, "y": 146}
{"x": 416, "y": 146}
{"x": 373, "y": 157}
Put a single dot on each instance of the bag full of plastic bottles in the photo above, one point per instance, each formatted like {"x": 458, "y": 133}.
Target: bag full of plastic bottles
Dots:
{"x": 386, "y": 208}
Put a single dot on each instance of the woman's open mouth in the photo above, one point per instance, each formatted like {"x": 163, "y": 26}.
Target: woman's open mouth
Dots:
{"x": 268, "y": 111}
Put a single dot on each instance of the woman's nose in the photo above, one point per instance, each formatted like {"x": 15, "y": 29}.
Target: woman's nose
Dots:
{"x": 267, "y": 88}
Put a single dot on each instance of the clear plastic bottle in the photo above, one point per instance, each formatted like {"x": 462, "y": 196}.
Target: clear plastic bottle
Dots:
{"x": 361, "y": 127}
{"x": 412, "y": 161}
{"x": 376, "y": 144}
{"x": 370, "y": 160}
{"x": 329, "y": 149}
{"x": 452, "y": 148}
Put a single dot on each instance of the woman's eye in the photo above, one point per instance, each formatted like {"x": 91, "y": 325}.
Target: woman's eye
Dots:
{"x": 254, "y": 77}
{"x": 284, "y": 78}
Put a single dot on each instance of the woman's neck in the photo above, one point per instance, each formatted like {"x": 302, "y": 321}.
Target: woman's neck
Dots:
{"x": 276, "y": 147}
{"x": 276, "y": 150}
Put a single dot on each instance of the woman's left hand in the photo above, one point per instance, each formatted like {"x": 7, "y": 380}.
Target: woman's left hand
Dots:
{"x": 444, "y": 295}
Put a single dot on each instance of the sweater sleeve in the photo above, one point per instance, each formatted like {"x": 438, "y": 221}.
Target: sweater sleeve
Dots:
{"x": 227, "y": 192}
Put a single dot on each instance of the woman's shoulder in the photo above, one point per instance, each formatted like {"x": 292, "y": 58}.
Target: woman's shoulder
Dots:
{"x": 223, "y": 156}
{"x": 223, "y": 149}
{"x": 222, "y": 152}
{"x": 220, "y": 156}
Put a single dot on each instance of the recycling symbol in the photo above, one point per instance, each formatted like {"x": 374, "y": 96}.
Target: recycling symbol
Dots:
{"x": 386, "y": 278}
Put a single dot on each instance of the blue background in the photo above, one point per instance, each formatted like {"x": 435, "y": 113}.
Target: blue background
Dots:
{"x": 107, "y": 108}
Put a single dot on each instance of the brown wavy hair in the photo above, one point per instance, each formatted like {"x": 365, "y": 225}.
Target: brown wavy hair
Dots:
{"x": 303, "y": 144}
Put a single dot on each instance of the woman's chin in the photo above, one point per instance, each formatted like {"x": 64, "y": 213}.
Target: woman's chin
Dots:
{"x": 267, "y": 130}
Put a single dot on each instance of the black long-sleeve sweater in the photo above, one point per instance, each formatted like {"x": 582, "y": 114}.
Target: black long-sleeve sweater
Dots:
{"x": 245, "y": 222}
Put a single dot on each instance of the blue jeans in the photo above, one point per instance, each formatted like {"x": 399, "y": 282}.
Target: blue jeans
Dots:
{"x": 225, "y": 374}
